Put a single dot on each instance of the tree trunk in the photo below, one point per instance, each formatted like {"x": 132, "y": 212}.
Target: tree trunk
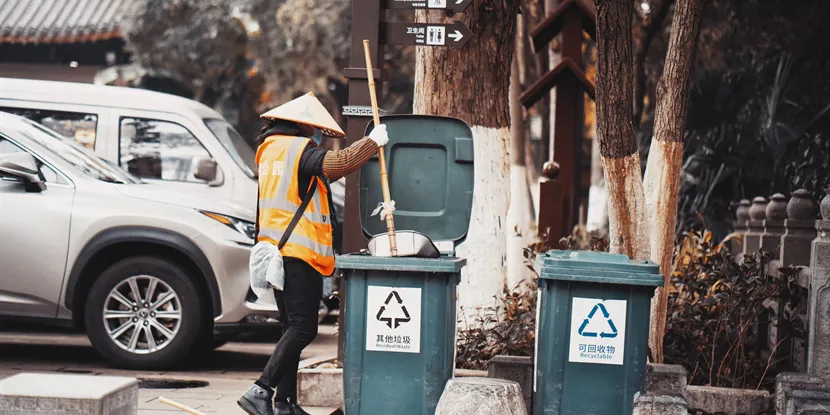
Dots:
{"x": 472, "y": 84}
{"x": 662, "y": 178}
{"x": 654, "y": 26}
{"x": 518, "y": 214}
{"x": 615, "y": 130}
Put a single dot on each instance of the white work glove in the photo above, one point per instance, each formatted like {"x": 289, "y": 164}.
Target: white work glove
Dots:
{"x": 379, "y": 135}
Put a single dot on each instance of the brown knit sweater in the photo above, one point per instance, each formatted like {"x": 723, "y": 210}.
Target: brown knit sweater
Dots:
{"x": 341, "y": 163}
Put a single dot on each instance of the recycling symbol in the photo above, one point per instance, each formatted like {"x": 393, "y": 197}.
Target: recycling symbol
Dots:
{"x": 605, "y": 334}
{"x": 393, "y": 323}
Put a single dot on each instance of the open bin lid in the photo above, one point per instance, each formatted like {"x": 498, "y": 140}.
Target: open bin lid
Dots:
{"x": 429, "y": 161}
{"x": 599, "y": 267}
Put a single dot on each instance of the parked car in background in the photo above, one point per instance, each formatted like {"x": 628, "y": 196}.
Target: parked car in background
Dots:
{"x": 170, "y": 141}
{"x": 151, "y": 275}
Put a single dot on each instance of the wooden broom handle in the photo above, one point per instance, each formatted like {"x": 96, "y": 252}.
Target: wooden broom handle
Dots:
{"x": 179, "y": 406}
{"x": 384, "y": 177}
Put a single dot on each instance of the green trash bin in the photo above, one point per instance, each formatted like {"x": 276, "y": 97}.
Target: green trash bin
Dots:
{"x": 400, "y": 312}
{"x": 592, "y": 332}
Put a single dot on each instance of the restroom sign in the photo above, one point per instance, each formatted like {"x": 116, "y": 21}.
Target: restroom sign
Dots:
{"x": 393, "y": 319}
{"x": 597, "y": 331}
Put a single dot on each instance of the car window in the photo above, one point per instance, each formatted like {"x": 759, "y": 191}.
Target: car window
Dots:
{"x": 155, "y": 149}
{"x": 79, "y": 126}
{"x": 46, "y": 173}
{"x": 241, "y": 153}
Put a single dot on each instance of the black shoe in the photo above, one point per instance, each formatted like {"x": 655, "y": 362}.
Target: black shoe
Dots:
{"x": 284, "y": 408}
{"x": 257, "y": 401}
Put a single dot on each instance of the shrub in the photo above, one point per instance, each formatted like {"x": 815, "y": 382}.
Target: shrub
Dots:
{"x": 510, "y": 328}
{"x": 717, "y": 312}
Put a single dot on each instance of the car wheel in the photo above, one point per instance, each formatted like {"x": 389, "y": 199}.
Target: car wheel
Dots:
{"x": 144, "y": 313}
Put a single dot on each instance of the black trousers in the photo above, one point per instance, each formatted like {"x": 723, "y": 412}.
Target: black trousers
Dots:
{"x": 298, "y": 303}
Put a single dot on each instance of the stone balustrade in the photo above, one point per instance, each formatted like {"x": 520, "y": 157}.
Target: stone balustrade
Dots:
{"x": 791, "y": 231}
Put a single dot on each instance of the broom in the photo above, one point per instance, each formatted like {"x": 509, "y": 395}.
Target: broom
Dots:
{"x": 384, "y": 179}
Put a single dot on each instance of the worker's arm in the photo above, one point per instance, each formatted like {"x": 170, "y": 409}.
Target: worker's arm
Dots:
{"x": 334, "y": 165}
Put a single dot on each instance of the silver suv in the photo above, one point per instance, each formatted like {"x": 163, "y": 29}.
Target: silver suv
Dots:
{"x": 150, "y": 274}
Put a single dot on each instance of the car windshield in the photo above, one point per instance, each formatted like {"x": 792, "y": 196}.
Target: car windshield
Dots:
{"x": 71, "y": 152}
{"x": 242, "y": 153}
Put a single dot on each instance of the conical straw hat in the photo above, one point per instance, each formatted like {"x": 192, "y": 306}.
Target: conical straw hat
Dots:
{"x": 308, "y": 110}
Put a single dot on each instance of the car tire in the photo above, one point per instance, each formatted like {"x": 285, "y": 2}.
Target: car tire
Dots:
{"x": 174, "y": 308}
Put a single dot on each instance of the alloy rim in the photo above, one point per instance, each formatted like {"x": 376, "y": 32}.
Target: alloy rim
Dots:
{"x": 142, "y": 314}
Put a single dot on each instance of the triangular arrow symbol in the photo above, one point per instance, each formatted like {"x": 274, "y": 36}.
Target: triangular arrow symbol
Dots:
{"x": 393, "y": 323}
{"x": 457, "y": 36}
{"x": 605, "y": 334}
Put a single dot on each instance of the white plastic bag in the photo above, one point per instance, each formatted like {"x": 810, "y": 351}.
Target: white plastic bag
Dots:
{"x": 266, "y": 268}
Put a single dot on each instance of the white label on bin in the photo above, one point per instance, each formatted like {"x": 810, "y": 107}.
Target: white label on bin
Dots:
{"x": 393, "y": 319}
{"x": 597, "y": 331}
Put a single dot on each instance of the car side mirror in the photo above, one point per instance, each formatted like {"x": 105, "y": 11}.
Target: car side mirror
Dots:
{"x": 206, "y": 169}
{"x": 24, "y": 167}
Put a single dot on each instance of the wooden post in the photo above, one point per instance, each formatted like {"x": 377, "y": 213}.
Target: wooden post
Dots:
{"x": 568, "y": 20}
{"x": 365, "y": 25}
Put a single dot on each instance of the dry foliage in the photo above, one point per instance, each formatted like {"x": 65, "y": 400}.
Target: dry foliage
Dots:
{"x": 716, "y": 308}
{"x": 510, "y": 328}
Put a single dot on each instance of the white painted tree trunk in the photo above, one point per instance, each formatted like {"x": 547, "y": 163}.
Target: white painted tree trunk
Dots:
{"x": 626, "y": 207}
{"x": 519, "y": 232}
{"x": 483, "y": 279}
{"x": 473, "y": 84}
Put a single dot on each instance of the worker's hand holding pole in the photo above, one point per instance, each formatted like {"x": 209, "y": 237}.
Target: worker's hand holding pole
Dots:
{"x": 384, "y": 179}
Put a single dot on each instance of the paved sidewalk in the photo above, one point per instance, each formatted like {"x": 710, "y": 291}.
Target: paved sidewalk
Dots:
{"x": 230, "y": 370}
{"x": 218, "y": 398}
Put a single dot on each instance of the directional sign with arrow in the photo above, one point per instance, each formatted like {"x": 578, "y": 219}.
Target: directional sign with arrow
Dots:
{"x": 457, "y": 6}
{"x": 455, "y": 35}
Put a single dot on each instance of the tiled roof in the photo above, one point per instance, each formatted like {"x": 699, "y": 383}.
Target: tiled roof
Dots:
{"x": 60, "y": 21}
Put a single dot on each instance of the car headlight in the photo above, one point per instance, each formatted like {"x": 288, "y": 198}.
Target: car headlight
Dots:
{"x": 246, "y": 228}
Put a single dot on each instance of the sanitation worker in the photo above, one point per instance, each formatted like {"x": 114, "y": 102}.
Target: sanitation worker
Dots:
{"x": 291, "y": 164}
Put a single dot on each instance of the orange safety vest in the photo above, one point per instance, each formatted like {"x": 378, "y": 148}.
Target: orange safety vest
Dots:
{"x": 278, "y": 160}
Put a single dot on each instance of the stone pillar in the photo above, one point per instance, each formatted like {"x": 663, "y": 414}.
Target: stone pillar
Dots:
{"x": 741, "y": 219}
{"x": 818, "y": 346}
{"x": 774, "y": 216}
{"x": 757, "y": 215}
{"x": 800, "y": 393}
{"x": 799, "y": 229}
{"x": 481, "y": 396}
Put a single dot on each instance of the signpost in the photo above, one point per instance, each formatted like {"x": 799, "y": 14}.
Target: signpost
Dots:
{"x": 454, "y": 35}
{"x": 457, "y": 6}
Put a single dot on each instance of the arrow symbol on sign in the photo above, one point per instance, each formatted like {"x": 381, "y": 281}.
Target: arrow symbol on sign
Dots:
{"x": 457, "y": 36}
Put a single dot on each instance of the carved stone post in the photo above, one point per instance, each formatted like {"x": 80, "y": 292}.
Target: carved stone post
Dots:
{"x": 775, "y": 214}
{"x": 757, "y": 215}
{"x": 800, "y": 229}
{"x": 741, "y": 226}
{"x": 818, "y": 347}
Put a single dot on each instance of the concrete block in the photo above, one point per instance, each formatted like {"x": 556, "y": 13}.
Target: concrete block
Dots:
{"x": 649, "y": 404}
{"x": 64, "y": 394}
{"x": 727, "y": 401}
{"x": 320, "y": 387}
{"x": 665, "y": 379}
{"x": 518, "y": 369}
{"x": 324, "y": 387}
{"x": 800, "y": 393}
{"x": 481, "y": 396}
